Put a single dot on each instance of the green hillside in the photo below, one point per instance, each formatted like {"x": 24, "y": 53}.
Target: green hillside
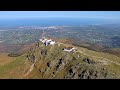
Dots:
{"x": 51, "y": 62}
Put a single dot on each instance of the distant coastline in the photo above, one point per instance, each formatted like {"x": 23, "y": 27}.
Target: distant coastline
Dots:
{"x": 52, "y": 22}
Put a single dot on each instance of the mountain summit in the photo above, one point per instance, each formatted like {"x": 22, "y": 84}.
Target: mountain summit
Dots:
{"x": 61, "y": 61}
{"x": 53, "y": 62}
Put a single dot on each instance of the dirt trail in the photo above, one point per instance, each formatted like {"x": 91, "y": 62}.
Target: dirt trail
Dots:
{"x": 31, "y": 69}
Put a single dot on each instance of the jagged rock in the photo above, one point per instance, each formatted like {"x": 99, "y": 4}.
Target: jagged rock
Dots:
{"x": 42, "y": 70}
{"x": 44, "y": 52}
{"x": 88, "y": 61}
{"x": 32, "y": 58}
{"x": 37, "y": 44}
{"x": 48, "y": 64}
{"x": 71, "y": 66}
{"x": 59, "y": 63}
{"x": 54, "y": 73}
{"x": 87, "y": 72}
{"x": 70, "y": 71}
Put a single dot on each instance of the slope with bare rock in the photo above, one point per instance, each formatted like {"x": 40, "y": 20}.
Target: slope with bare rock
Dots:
{"x": 52, "y": 62}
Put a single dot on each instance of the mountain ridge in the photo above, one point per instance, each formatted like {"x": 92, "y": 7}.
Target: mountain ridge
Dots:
{"x": 51, "y": 62}
{"x": 88, "y": 64}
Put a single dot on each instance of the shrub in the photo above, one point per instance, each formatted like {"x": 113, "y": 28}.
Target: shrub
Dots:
{"x": 14, "y": 54}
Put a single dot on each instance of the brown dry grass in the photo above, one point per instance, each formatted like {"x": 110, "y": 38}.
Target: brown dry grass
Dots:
{"x": 4, "y": 58}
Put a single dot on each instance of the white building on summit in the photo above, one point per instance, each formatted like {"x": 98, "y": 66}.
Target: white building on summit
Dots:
{"x": 47, "y": 41}
{"x": 69, "y": 49}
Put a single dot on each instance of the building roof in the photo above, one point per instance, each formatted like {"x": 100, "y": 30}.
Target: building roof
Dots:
{"x": 68, "y": 47}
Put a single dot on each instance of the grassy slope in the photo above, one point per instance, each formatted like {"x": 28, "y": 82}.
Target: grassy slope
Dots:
{"x": 61, "y": 72}
{"x": 4, "y": 59}
{"x": 98, "y": 54}
{"x": 115, "y": 68}
{"x": 15, "y": 69}
{"x": 20, "y": 65}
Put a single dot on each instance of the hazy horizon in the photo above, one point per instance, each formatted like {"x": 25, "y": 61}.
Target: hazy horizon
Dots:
{"x": 52, "y": 21}
{"x": 56, "y": 18}
{"x": 80, "y": 14}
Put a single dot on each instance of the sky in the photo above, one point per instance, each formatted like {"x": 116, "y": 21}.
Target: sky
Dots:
{"x": 72, "y": 14}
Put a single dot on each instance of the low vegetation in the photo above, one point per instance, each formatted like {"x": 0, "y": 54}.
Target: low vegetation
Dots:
{"x": 51, "y": 62}
{"x": 14, "y": 54}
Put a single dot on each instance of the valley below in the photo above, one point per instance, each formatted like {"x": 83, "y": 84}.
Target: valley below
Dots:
{"x": 24, "y": 56}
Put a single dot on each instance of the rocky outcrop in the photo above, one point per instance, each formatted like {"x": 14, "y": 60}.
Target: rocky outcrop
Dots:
{"x": 44, "y": 52}
{"x": 88, "y": 72}
{"x": 87, "y": 60}
{"x": 53, "y": 62}
{"x": 31, "y": 57}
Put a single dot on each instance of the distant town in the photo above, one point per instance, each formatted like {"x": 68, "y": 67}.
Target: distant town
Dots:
{"x": 103, "y": 36}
